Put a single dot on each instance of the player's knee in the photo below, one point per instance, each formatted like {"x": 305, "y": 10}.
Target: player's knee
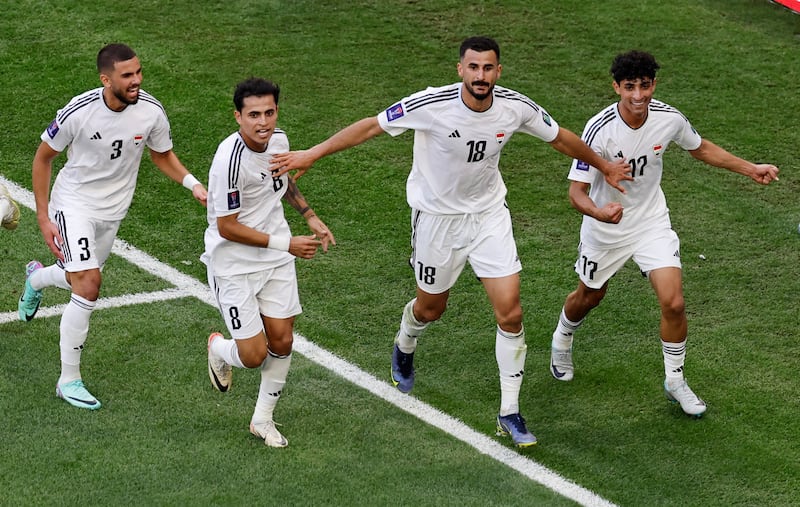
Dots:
{"x": 587, "y": 299}
{"x": 429, "y": 313}
{"x": 675, "y": 308}
{"x": 252, "y": 352}
{"x": 510, "y": 320}
{"x": 281, "y": 345}
{"x": 87, "y": 284}
{"x": 252, "y": 359}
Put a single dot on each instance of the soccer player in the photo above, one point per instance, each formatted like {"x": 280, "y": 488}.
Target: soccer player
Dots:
{"x": 636, "y": 225}
{"x": 106, "y": 131}
{"x": 458, "y": 209}
{"x": 9, "y": 209}
{"x": 250, "y": 253}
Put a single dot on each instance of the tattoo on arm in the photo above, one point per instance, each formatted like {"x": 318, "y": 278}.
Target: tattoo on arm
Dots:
{"x": 295, "y": 198}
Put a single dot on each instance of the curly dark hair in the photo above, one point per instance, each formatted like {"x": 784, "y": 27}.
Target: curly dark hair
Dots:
{"x": 254, "y": 86}
{"x": 634, "y": 65}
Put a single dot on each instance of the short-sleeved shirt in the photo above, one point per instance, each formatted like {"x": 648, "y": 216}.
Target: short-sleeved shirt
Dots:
{"x": 105, "y": 150}
{"x": 240, "y": 181}
{"x": 457, "y": 150}
{"x": 645, "y": 207}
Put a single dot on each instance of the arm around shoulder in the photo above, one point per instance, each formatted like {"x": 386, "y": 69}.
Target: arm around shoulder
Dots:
{"x": 568, "y": 143}
{"x": 352, "y": 135}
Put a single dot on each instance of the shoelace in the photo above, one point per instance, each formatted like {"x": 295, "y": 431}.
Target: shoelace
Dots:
{"x": 404, "y": 362}
{"x": 683, "y": 390}
{"x": 518, "y": 422}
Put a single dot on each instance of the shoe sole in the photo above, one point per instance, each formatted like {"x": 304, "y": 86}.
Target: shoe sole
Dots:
{"x": 503, "y": 433}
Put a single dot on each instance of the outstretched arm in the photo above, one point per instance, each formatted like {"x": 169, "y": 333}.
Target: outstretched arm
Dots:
{"x": 301, "y": 161}
{"x": 169, "y": 164}
{"x": 712, "y": 154}
{"x": 573, "y": 146}
{"x": 298, "y": 202}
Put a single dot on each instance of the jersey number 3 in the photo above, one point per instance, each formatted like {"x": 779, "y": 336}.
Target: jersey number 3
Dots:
{"x": 116, "y": 149}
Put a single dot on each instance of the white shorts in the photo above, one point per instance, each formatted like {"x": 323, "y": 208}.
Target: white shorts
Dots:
{"x": 442, "y": 244}
{"x": 87, "y": 241}
{"x": 243, "y": 299}
{"x": 595, "y": 266}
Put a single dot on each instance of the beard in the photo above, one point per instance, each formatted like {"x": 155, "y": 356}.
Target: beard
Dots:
{"x": 122, "y": 97}
{"x": 479, "y": 96}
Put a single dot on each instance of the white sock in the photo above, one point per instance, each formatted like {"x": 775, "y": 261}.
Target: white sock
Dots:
{"x": 228, "y": 351}
{"x": 74, "y": 328}
{"x": 510, "y": 351}
{"x": 50, "y": 276}
{"x": 562, "y": 336}
{"x": 410, "y": 329}
{"x": 674, "y": 357}
{"x": 274, "y": 370}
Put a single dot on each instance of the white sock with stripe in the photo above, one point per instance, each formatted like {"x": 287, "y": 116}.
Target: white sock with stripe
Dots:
{"x": 74, "y": 328}
{"x": 510, "y": 351}
{"x": 274, "y": 370}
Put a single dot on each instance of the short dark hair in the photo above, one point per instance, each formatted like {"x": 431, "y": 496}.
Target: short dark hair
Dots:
{"x": 111, "y": 54}
{"x": 254, "y": 86}
{"x": 634, "y": 65}
{"x": 479, "y": 44}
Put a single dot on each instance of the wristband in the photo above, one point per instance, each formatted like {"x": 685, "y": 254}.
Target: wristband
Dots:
{"x": 279, "y": 242}
{"x": 189, "y": 181}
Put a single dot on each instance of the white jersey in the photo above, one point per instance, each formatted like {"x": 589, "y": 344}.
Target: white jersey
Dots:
{"x": 457, "y": 150}
{"x": 240, "y": 181}
{"x": 105, "y": 149}
{"x": 645, "y": 207}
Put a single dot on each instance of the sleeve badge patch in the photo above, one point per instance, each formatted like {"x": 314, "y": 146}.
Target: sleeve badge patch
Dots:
{"x": 395, "y": 112}
{"x": 233, "y": 199}
{"x": 547, "y": 120}
{"x": 52, "y": 129}
{"x": 582, "y": 166}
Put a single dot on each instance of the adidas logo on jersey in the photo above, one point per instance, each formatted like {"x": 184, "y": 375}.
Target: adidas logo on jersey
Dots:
{"x": 455, "y": 134}
{"x": 96, "y": 136}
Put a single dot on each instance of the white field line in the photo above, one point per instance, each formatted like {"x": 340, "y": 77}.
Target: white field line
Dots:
{"x": 188, "y": 286}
